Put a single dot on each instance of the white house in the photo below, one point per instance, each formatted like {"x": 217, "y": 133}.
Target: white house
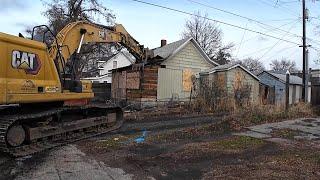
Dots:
{"x": 119, "y": 60}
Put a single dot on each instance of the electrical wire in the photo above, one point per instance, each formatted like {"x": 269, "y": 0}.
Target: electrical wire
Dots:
{"x": 282, "y": 50}
{"x": 274, "y": 6}
{"x": 268, "y": 31}
{"x": 277, "y": 43}
{"x": 244, "y": 33}
{"x": 238, "y": 15}
{"x": 214, "y": 20}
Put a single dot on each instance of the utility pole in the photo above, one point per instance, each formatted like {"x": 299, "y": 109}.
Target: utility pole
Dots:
{"x": 304, "y": 47}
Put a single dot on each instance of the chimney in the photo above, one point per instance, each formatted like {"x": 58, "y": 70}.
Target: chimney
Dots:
{"x": 163, "y": 42}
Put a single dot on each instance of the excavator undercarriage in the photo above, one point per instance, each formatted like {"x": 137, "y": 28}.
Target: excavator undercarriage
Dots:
{"x": 24, "y": 131}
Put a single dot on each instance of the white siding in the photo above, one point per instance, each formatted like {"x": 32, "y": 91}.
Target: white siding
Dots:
{"x": 105, "y": 74}
{"x": 309, "y": 94}
{"x": 170, "y": 78}
{"x": 188, "y": 57}
{"x": 122, "y": 61}
{"x": 291, "y": 93}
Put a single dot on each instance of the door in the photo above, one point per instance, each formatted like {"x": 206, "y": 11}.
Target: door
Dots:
{"x": 170, "y": 85}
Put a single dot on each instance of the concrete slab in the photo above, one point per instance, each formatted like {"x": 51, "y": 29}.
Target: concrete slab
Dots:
{"x": 309, "y": 128}
{"x": 69, "y": 163}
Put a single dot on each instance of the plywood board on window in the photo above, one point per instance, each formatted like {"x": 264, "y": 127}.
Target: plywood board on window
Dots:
{"x": 187, "y": 79}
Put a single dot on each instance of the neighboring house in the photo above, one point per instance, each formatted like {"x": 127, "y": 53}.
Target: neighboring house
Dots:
{"x": 165, "y": 77}
{"x": 277, "y": 82}
{"x": 237, "y": 82}
{"x": 105, "y": 66}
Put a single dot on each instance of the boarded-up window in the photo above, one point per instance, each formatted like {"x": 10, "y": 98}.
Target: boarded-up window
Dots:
{"x": 238, "y": 80}
{"x": 187, "y": 80}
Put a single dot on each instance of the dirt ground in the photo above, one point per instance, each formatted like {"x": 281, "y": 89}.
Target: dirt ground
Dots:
{"x": 189, "y": 148}
{"x": 205, "y": 152}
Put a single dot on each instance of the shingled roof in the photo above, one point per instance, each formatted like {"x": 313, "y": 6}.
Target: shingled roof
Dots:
{"x": 169, "y": 50}
{"x": 282, "y": 77}
{"x": 227, "y": 67}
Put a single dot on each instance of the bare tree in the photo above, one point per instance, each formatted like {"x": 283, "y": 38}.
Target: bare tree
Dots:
{"x": 59, "y": 13}
{"x": 224, "y": 54}
{"x": 62, "y": 12}
{"x": 253, "y": 65}
{"x": 283, "y": 65}
{"x": 209, "y": 37}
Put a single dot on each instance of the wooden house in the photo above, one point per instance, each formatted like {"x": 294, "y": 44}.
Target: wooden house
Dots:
{"x": 236, "y": 82}
{"x": 165, "y": 78}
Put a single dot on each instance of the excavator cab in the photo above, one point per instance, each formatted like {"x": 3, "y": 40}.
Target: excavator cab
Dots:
{"x": 67, "y": 69}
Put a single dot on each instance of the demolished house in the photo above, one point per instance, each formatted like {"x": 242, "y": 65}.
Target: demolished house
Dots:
{"x": 166, "y": 77}
{"x": 230, "y": 83}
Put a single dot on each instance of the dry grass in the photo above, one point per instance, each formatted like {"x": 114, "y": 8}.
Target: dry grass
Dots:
{"x": 192, "y": 133}
{"x": 260, "y": 114}
{"x": 208, "y": 149}
{"x": 115, "y": 142}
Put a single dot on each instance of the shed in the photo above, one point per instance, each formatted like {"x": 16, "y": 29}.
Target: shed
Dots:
{"x": 277, "y": 81}
{"x": 237, "y": 82}
{"x": 165, "y": 78}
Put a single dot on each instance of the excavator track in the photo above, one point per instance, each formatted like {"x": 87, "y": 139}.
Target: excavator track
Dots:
{"x": 40, "y": 138}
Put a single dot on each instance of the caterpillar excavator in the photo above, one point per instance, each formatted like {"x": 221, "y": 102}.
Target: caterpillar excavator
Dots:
{"x": 43, "y": 101}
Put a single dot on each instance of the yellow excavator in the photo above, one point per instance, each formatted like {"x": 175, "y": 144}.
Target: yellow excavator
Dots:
{"x": 43, "y": 102}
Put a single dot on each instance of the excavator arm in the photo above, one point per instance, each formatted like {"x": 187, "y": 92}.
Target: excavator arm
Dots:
{"x": 71, "y": 38}
{"x": 66, "y": 48}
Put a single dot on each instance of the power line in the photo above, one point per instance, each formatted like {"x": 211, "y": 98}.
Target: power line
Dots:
{"x": 238, "y": 15}
{"x": 268, "y": 31}
{"x": 255, "y": 52}
{"x": 282, "y": 50}
{"x": 263, "y": 49}
{"x": 276, "y": 43}
{"x": 288, "y": 2}
{"x": 275, "y": 20}
{"x": 275, "y": 5}
{"x": 217, "y": 21}
{"x": 244, "y": 33}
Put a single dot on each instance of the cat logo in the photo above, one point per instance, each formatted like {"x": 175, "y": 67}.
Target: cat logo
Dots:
{"x": 27, "y": 61}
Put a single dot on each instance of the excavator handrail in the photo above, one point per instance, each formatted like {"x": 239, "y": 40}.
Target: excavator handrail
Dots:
{"x": 47, "y": 30}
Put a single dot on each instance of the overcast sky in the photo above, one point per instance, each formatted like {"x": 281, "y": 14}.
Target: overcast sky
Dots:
{"x": 150, "y": 24}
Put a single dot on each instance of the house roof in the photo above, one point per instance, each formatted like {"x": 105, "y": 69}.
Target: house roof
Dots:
{"x": 282, "y": 77}
{"x": 106, "y": 59}
{"x": 227, "y": 67}
{"x": 171, "y": 49}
